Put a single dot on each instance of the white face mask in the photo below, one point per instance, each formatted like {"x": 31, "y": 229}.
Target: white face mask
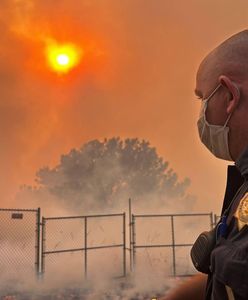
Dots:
{"x": 214, "y": 137}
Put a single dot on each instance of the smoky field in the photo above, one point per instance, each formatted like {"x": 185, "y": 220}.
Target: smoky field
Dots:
{"x": 103, "y": 256}
{"x": 124, "y": 289}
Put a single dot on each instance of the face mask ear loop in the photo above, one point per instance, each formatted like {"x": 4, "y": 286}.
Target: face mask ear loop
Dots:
{"x": 227, "y": 120}
{"x": 231, "y": 112}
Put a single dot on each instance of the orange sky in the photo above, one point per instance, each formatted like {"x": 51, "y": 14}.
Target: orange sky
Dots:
{"x": 136, "y": 79}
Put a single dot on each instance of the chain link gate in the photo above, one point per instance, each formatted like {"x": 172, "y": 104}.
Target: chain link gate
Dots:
{"x": 19, "y": 243}
{"x": 172, "y": 241}
{"x": 67, "y": 243}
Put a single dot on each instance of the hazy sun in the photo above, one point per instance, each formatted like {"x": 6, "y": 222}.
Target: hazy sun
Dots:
{"x": 63, "y": 58}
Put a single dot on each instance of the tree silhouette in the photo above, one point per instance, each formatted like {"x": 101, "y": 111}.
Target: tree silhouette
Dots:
{"x": 101, "y": 172}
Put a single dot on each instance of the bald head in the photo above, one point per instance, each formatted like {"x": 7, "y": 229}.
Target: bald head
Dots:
{"x": 229, "y": 58}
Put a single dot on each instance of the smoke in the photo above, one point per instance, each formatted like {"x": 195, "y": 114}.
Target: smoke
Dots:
{"x": 132, "y": 68}
{"x": 103, "y": 266}
{"x": 64, "y": 275}
{"x": 65, "y": 272}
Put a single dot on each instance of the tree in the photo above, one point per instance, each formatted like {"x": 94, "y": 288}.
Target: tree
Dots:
{"x": 102, "y": 172}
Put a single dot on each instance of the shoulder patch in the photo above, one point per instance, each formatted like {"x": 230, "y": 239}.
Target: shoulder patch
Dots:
{"x": 242, "y": 212}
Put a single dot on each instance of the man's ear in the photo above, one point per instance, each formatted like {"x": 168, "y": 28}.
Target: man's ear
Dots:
{"x": 234, "y": 92}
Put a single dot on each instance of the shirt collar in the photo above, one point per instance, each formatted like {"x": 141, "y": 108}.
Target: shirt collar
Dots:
{"x": 242, "y": 163}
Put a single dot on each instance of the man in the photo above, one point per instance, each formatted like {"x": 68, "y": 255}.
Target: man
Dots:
{"x": 222, "y": 86}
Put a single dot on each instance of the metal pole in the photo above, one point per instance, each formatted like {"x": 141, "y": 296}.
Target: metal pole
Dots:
{"x": 130, "y": 233}
{"x": 85, "y": 247}
{"x": 133, "y": 241}
{"x": 37, "y": 246}
{"x": 124, "y": 244}
{"x": 43, "y": 246}
{"x": 173, "y": 245}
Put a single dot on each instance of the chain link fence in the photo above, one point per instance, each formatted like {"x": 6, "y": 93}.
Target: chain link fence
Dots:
{"x": 70, "y": 249}
{"x": 19, "y": 243}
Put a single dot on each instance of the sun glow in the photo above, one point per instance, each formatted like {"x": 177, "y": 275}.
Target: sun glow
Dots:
{"x": 63, "y": 58}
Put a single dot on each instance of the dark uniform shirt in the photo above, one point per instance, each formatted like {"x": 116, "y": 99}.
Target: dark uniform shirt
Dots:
{"x": 228, "y": 279}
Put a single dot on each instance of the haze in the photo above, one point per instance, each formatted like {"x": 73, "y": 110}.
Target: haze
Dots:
{"x": 136, "y": 80}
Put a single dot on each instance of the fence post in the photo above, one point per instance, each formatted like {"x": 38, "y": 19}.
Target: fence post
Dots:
{"x": 85, "y": 247}
{"x": 130, "y": 233}
{"x": 43, "y": 246}
{"x": 124, "y": 244}
{"x": 173, "y": 245}
{"x": 37, "y": 246}
{"x": 133, "y": 241}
